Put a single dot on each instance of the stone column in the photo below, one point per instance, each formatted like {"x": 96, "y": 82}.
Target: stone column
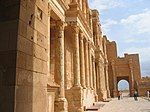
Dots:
{"x": 107, "y": 80}
{"x": 76, "y": 92}
{"x": 82, "y": 62}
{"x": 94, "y": 79}
{"x": 87, "y": 64}
{"x": 76, "y": 57}
{"x": 90, "y": 68}
{"x": 97, "y": 36}
{"x": 61, "y": 102}
{"x": 114, "y": 78}
{"x": 132, "y": 78}
{"x": 100, "y": 93}
{"x": 97, "y": 77}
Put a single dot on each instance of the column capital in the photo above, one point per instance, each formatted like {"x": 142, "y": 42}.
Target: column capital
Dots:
{"x": 60, "y": 25}
{"x": 76, "y": 29}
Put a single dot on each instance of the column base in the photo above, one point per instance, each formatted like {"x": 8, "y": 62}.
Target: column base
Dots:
{"x": 61, "y": 105}
{"x": 75, "y": 99}
{"x": 102, "y": 95}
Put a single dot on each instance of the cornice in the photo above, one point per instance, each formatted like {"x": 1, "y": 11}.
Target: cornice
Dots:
{"x": 84, "y": 21}
{"x": 62, "y": 3}
{"x": 77, "y": 15}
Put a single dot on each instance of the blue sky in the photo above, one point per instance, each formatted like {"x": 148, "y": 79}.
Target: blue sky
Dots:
{"x": 128, "y": 23}
{"x": 123, "y": 84}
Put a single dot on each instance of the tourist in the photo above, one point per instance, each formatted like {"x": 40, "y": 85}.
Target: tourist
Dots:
{"x": 148, "y": 93}
{"x": 119, "y": 94}
{"x": 135, "y": 95}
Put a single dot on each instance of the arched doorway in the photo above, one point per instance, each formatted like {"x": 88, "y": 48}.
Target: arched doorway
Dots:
{"x": 123, "y": 86}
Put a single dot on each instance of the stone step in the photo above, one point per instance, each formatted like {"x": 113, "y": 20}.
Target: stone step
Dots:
{"x": 95, "y": 108}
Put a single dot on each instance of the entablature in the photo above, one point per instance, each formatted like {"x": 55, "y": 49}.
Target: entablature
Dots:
{"x": 59, "y": 7}
{"x": 77, "y": 16}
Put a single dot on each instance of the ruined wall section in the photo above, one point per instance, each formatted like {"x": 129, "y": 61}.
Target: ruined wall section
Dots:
{"x": 9, "y": 20}
{"x": 136, "y": 65}
{"x": 111, "y": 50}
{"x": 32, "y": 57}
{"x": 122, "y": 67}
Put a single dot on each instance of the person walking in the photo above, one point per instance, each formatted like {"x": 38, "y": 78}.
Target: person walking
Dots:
{"x": 135, "y": 95}
{"x": 148, "y": 93}
{"x": 119, "y": 94}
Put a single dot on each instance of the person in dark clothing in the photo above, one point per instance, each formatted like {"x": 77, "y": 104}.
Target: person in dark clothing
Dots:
{"x": 135, "y": 96}
{"x": 119, "y": 94}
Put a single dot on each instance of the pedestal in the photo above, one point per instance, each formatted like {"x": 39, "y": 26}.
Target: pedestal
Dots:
{"x": 61, "y": 105}
{"x": 75, "y": 99}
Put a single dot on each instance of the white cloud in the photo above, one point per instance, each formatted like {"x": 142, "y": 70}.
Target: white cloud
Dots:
{"x": 107, "y": 24}
{"x": 105, "y": 4}
{"x": 138, "y": 23}
{"x": 136, "y": 40}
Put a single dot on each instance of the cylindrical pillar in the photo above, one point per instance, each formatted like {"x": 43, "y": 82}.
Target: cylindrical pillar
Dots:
{"x": 90, "y": 67}
{"x": 87, "y": 63}
{"x": 76, "y": 56}
{"x": 114, "y": 78}
{"x": 60, "y": 56}
{"x": 82, "y": 62}
{"x": 94, "y": 73}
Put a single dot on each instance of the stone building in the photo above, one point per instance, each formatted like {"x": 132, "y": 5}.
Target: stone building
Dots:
{"x": 54, "y": 57}
{"x": 144, "y": 86}
{"x": 122, "y": 68}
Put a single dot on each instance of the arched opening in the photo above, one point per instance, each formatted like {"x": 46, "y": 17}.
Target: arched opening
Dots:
{"x": 123, "y": 86}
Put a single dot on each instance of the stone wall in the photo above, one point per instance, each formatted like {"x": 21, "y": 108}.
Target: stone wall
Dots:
{"x": 54, "y": 57}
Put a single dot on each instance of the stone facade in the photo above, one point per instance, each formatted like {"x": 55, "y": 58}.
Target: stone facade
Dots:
{"x": 54, "y": 58}
{"x": 144, "y": 86}
{"x": 122, "y": 68}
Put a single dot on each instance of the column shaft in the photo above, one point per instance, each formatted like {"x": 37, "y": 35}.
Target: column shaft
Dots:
{"x": 82, "y": 62}
{"x": 94, "y": 74}
{"x": 100, "y": 75}
{"x": 114, "y": 80}
{"x": 87, "y": 63}
{"x": 76, "y": 57}
{"x": 107, "y": 80}
{"x": 60, "y": 50}
{"x": 90, "y": 67}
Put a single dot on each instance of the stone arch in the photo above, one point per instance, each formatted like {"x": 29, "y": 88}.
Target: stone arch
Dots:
{"x": 126, "y": 78}
{"x": 125, "y": 91}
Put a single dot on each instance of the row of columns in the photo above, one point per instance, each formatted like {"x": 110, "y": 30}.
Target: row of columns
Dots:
{"x": 83, "y": 62}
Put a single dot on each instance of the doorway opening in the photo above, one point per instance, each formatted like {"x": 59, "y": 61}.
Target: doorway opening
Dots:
{"x": 123, "y": 86}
